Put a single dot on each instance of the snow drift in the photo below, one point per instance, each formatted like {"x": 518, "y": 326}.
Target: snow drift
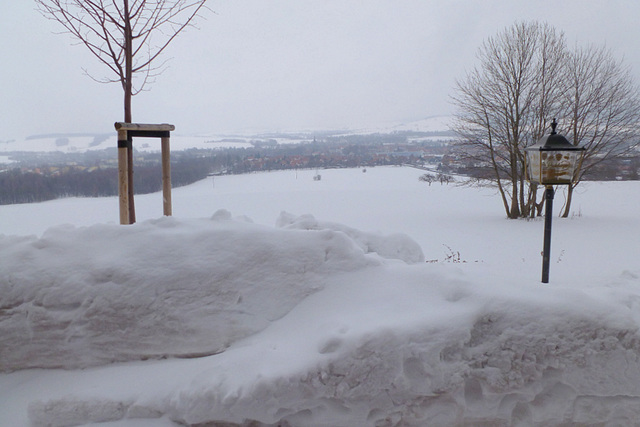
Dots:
{"x": 418, "y": 345}
{"x": 80, "y": 297}
{"x": 429, "y": 349}
{"x": 316, "y": 323}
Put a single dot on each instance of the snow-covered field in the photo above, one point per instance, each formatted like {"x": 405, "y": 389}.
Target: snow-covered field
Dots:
{"x": 363, "y": 299}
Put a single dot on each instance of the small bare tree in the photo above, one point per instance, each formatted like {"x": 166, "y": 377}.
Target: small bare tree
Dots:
{"x": 127, "y": 36}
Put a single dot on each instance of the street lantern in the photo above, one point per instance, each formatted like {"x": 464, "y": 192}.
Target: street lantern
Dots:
{"x": 552, "y": 161}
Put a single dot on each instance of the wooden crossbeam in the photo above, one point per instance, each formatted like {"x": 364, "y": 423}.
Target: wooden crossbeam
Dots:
{"x": 144, "y": 126}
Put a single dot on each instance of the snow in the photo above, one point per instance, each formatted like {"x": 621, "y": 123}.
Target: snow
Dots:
{"x": 363, "y": 299}
{"x": 81, "y": 143}
{"x": 429, "y": 124}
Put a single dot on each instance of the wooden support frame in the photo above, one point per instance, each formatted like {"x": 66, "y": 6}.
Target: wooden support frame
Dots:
{"x": 126, "y": 133}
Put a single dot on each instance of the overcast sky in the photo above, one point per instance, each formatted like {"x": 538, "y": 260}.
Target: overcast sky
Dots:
{"x": 286, "y": 64}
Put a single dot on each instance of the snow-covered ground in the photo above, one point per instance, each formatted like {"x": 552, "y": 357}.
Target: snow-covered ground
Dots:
{"x": 70, "y": 144}
{"x": 363, "y": 299}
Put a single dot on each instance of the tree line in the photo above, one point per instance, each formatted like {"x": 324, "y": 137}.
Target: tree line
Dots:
{"x": 30, "y": 187}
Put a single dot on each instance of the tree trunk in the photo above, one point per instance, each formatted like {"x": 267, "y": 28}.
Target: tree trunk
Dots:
{"x": 567, "y": 207}
{"x": 128, "y": 94}
{"x": 539, "y": 207}
{"x": 515, "y": 206}
{"x": 533, "y": 208}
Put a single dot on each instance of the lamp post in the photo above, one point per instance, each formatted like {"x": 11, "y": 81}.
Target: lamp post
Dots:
{"x": 551, "y": 161}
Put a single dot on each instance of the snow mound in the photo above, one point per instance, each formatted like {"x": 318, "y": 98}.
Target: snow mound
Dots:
{"x": 81, "y": 297}
{"x": 446, "y": 352}
{"x": 396, "y": 246}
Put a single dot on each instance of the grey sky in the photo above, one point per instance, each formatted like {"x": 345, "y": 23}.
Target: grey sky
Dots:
{"x": 286, "y": 64}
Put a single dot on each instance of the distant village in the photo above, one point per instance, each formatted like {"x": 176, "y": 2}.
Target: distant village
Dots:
{"x": 34, "y": 177}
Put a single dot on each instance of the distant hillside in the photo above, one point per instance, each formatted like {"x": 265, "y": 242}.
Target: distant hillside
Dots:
{"x": 79, "y": 142}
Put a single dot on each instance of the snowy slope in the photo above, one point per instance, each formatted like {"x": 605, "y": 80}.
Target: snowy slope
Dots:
{"x": 328, "y": 319}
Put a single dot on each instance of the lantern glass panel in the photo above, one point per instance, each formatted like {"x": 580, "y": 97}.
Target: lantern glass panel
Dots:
{"x": 533, "y": 165}
{"x": 558, "y": 167}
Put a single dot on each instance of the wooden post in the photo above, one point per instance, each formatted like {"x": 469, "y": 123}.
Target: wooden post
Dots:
{"x": 126, "y": 132}
{"x": 132, "y": 206}
{"x": 166, "y": 177}
{"x": 123, "y": 176}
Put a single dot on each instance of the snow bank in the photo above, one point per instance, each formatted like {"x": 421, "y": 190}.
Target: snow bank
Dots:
{"x": 320, "y": 324}
{"x": 80, "y": 297}
{"x": 396, "y": 345}
{"x": 420, "y": 348}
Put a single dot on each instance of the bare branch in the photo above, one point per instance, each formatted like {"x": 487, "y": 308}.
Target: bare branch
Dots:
{"x": 101, "y": 26}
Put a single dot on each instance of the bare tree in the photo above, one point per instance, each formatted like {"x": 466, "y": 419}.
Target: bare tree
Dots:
{"x": 602, "y": 109}
{"x": 127, "y": 36}
{"x": 527, "y": 76}
{"x": 502, "y": 103}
